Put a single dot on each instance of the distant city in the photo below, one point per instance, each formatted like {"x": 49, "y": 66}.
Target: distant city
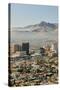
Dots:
{"x": 33, "y": 67}
{"x": 33, "y": 47}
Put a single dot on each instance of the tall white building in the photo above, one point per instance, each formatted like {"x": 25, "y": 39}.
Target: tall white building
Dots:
{"x": 54, "y": 48}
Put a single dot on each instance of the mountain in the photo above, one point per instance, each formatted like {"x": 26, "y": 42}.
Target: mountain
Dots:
{"x": 41, "y": 27}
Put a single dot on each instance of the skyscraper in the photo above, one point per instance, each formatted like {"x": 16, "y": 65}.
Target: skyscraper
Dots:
{"x": 25, "y": 47}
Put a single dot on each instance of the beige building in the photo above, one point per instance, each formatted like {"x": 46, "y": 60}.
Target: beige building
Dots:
{"x": 14, "y": 48}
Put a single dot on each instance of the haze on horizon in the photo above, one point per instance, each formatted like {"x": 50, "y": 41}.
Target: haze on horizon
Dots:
{"x": 25, "y": 14}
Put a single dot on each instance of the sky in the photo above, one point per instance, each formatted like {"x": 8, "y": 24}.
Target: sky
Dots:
{"x": 25, "y": 14}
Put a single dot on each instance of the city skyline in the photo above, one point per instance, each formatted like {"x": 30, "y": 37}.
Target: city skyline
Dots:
{"x": 23, "y": 14}
{"x": 33, "y": 49}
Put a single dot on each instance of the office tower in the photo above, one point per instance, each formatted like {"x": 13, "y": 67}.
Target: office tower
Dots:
{"x": 25, "y": 47}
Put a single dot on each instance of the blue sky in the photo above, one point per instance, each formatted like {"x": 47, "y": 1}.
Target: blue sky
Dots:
{"x": 23, "y": 14}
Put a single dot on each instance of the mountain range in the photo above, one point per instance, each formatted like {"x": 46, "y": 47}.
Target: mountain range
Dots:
{"x": 40, "y": 27}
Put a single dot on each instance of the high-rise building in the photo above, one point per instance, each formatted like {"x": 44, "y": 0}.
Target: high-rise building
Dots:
{"x": 25, "y": 47}
{"x": 54, "y": 47}
{"x": 14, "y": 48}
{"x": 17, "y": 47}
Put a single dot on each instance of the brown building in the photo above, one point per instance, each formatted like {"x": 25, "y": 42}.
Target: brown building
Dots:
{"x": 14, "y": 48}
